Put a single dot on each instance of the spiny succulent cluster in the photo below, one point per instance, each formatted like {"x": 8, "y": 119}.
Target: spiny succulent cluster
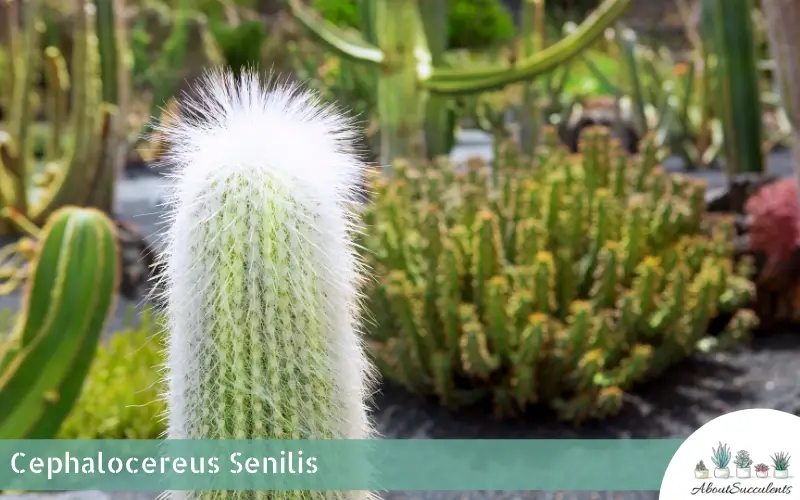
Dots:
{"x": 561, "y": 280}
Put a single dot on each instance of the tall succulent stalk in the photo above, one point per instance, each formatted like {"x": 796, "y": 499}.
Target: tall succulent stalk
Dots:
{"x": 85, "y": 129}
{"x": 782, "y": 18}
{"x": 411, "y": 75}
{"x": 261, "y": 272}
{"x": 732, "y": 38}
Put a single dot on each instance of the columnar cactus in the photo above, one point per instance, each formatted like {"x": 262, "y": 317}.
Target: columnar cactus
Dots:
{"x": 407, "y": 51}
{"x": 85, "y": 130}
{"x": 565, "y": 283}
{"x": 69, "y": 296}
{"x": 261, "y": 274}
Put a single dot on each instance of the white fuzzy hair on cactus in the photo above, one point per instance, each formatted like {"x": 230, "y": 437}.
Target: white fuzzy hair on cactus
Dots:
{"x": 261, "y": 275}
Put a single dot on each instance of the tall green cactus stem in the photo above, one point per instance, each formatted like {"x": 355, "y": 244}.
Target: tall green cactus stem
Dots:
{"x": 76, "y": 161}
{"x": 68, "y": 298}
{"x": 409, "y": 72}
{"x": 732, "y": 38}
{"x": 261, "y": 272}
{"x": 115, "y": 64}
{"x": 564, "y": 283}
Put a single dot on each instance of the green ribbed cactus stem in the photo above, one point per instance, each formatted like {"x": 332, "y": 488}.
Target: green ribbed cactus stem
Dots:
{"x": 628, "y": 313}
{"x": 575, "y": 220}
{"x": 501, "y": 338}
{"x": 544, "y": 272}
{"x": 553, "y": 208}
{"x": 618, "y": 178}
{"x": 431, "y": 218}
{"x": 606, "y": 278}
{"x": 660, "y": 231}
{"x": 632, "y": 367}
{"x": 261, "y": 273}
{"x": 526, "y": 359}
{"x": 670, "y": 260}
{"x": 634, "y": 238}
{"x": 601, "y": 232}
{"x": 702, "y": 288}
{"x": 488, "y": 252}
{"x": 449, "y": 292}
{"x": 645, "y": 161}
{"x": 530, "y": 236}
{"x": 645, "y": 285}
{"x": 519, "y": 308}
{"x": 675, "y": 300}
{"x": 408, "y": 307}
{"x": 579, "y": 328}
{"x": 508, "y": 190}
{"x": 603, "y": 334}
{"x": 68, "y": 298}
{"x": 476, "y": 359}
{"x": 697, "y": 204}
{"x": 588, "y": 366}
{"x": 57, "y": 97}
{"x": 442, "y": 365}
{"x": 434, "y": 185}
{"x": 567, "y": 281}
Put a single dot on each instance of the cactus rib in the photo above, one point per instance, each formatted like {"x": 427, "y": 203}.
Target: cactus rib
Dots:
{"x": 69, "y": 296}
{"x": 261, "y": 272}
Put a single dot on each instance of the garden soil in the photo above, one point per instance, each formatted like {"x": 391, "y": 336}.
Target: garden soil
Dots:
{"x": 764, "y": 374}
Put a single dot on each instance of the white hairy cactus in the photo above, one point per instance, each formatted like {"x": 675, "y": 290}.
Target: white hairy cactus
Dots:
{"x": 261, "y": 275}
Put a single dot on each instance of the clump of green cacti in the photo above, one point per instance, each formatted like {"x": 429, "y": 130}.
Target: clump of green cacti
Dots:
{"x": 84, "y": 131}
{"x": 405, "y": 42}
{"x": 261, "y": 273}
{"x": 565, "y": 281}
{"x": 70, "y": 293}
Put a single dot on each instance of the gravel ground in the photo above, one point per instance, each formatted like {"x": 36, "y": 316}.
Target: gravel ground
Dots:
{"x": 765, "y": 374}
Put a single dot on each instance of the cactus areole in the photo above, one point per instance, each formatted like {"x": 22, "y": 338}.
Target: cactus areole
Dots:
{"x": 261, "y": 275}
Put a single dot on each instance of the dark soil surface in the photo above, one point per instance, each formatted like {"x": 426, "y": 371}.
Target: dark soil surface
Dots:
{"x": 763, "y": 374}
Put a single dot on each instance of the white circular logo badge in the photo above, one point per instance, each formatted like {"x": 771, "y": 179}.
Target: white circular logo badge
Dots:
{"x": 747, "y": 454}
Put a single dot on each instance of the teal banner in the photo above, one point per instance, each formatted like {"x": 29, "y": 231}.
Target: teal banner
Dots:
{"x": 378, "y": 465}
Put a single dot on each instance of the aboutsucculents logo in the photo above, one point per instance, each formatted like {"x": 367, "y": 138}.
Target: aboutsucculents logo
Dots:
{"x": 747, "y": 452}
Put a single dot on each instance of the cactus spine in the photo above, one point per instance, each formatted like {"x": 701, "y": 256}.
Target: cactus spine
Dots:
{"x": 261, "y": 274}
{"x": 69, "y": 296}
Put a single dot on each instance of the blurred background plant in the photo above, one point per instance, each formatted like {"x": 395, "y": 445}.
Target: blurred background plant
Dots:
{"x": 121, "y": 398}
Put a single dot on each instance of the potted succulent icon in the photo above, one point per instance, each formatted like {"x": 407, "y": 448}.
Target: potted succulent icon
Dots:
{"x": 700, "y": 470}
{"x": 781, "y": 463}
{"x": 721, "y": 457}
{"x": 762, "y": 470}
{"x": 743, "y": 463}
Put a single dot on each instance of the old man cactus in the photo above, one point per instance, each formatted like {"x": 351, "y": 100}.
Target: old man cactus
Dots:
{"x": 562, "y": 281}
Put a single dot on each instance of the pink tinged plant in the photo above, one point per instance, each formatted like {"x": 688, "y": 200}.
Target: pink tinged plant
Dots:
{"x": 775, "y": 219}
{"x": 262, "y": 275}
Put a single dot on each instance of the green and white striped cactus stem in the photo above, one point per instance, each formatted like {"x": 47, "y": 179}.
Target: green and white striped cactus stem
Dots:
{"x": 69, "y": 295}
{"x": 261, "y": 273}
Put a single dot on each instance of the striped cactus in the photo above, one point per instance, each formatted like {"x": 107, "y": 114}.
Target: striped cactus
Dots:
{"x": 68, "y": 298}
{"x": 261, "y": 275}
